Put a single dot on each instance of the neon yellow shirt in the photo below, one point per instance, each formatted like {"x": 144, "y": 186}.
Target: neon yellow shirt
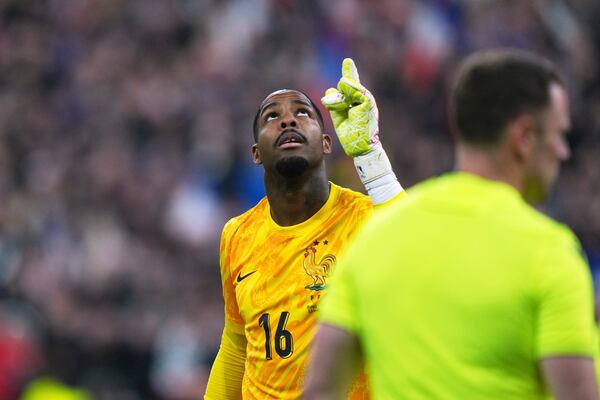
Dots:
{"x": 273, "y": 280}
{"x": 466, "y": 305}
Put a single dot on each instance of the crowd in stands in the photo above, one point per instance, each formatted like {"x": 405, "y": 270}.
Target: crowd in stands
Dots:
{"x": 125, "y": 134}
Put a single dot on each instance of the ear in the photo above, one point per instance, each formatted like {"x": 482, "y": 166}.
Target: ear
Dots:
{"x": 522, "y": 136}
{"x": 326, "y": 144}
{"x": 256, "y": 154}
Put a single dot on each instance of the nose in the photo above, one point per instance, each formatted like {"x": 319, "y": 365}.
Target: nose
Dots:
{"x": 288, "y": 120}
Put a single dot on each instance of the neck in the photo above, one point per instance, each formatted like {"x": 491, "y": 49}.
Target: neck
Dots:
{"x": 294, "y": 200}
{"x": 491, "y": 164}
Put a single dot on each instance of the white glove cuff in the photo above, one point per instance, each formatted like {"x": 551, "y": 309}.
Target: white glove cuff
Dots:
{"x": 375, "y": 172}
{"x": 373, "y": 165}
{"x": 385, "y": 191}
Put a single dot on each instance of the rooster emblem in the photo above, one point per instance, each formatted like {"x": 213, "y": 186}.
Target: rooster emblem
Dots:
{"x": 318, "y": 271}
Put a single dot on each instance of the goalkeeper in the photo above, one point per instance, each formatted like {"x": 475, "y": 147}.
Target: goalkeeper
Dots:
{"x": 277, "y": 258}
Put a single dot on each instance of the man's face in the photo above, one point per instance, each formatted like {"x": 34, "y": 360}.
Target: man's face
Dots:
{"x": 551, "y": 147}
{"x": 290, "y": 138}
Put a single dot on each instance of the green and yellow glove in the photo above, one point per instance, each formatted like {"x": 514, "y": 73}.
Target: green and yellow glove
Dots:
{"x": 354, "y": 112}
{"x": 355, "y": 118}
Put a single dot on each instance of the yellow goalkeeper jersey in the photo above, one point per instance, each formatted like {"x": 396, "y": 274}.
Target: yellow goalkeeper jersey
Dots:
{"x": 273, "y": 280}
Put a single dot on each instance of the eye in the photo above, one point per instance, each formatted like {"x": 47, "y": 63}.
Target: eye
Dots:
{"x": 271, "y": 116}
{"x": 303, "y": 112}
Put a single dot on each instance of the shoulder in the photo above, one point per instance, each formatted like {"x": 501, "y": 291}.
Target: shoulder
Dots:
{"x": 475, "y": 200}
{"x": 248, "y": 218}
{"x": 553, "y": 244}
{"x": 350, "y": 198}
{"x": 550, "y": 232}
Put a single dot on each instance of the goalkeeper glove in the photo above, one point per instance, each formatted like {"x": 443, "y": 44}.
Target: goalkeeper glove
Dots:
{"x": 355, "y": 118}
{"x": 353, "y": 112}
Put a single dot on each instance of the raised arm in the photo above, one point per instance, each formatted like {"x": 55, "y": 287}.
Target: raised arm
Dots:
{"x": 356, "y": 122}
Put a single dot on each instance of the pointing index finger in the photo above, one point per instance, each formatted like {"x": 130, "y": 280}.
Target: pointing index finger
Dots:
{"x": 349, "y": 70}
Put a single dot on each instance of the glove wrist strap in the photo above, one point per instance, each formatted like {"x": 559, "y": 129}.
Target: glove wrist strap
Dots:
{"x": 375, "y": 172}
{"x": 373, "y": 165}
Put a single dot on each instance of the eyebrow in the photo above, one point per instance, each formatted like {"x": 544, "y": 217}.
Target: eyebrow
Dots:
{"x": 274, "y": 103}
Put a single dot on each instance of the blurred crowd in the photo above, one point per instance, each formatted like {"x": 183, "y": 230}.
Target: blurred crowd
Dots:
{"x": 125, "y": 134}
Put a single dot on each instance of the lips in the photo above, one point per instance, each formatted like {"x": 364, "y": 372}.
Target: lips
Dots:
{"x": 290, "y": 138}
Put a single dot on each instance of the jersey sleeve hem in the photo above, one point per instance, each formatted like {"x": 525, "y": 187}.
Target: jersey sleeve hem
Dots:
{"x": 586, "y": 350}
{"x": 339, "y": 322}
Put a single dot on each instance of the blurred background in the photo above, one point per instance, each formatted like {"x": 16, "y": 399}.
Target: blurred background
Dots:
{"x": 125, "y": 134}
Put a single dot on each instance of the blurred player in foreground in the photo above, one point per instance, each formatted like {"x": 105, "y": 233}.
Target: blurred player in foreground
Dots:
{"x": 277, "y": 257}
{"x": 486, "y": 298}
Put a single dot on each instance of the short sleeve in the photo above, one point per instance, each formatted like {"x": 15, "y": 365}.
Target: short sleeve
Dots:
{"x": 566, "y": 308}
{"x": 232, "y": 312}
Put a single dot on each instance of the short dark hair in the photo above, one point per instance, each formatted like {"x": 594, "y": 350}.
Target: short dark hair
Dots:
{"x": 257, "y": 115}
{"x": 493, "y": 87}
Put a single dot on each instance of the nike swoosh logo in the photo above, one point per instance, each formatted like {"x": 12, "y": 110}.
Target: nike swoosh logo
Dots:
{"x": 241, "y": 277}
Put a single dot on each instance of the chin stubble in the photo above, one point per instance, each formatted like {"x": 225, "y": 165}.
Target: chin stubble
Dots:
{"x": 292, "y": 166}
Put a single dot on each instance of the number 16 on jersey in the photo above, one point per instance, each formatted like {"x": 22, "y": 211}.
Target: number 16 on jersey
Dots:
{"x": 284, "y": 343}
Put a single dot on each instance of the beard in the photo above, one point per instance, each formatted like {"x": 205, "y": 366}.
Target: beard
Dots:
{"x": 292, "y": 167}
